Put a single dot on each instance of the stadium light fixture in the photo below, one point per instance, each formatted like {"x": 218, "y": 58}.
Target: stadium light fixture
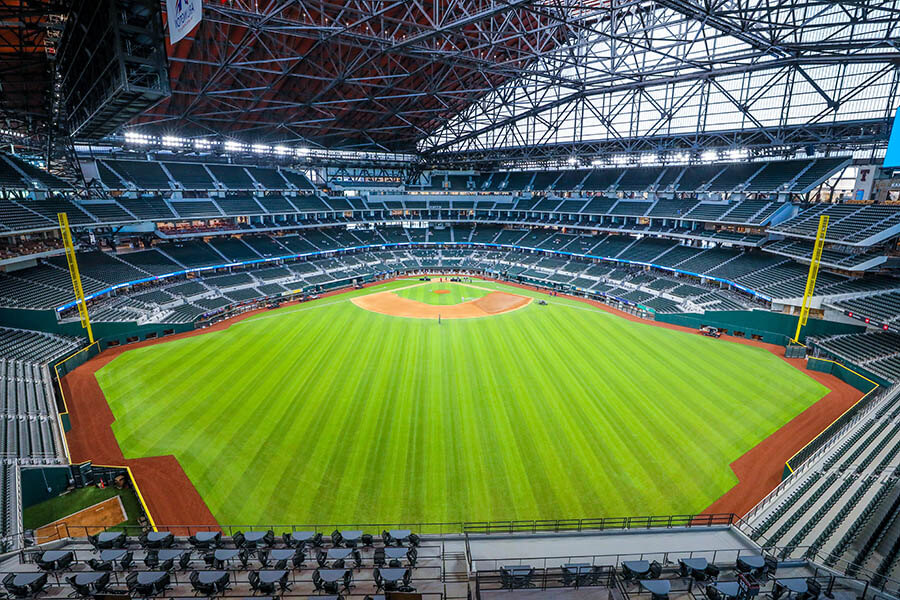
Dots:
{"x": 231, "y": 146}
{"x": 202, "y": 144}
{"x": 137, "y": 138}
{"x": 172, "y": 141}
{"x": 261, "y": 149}
{"x": 709, "y": 156}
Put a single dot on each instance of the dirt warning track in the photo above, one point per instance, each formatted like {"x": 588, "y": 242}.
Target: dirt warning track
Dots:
{"x": 389, "y": 303}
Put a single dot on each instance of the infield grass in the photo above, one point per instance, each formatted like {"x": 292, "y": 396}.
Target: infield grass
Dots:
{"x": 442, "y": 293}
{"x": 326, "y": 413}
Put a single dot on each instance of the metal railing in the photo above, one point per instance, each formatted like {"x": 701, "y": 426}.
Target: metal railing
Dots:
{"x": 666, "y": 557}
{"x": 454, "y": 528}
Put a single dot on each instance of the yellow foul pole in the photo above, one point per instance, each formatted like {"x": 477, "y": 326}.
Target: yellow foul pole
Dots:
{"x": 813, "y": 273}
{"x": 73, "y": 273}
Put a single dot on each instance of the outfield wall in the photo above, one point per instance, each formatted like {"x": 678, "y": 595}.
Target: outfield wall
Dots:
{"x": 116, "y": 332}
{"x": 872, "y": 394}
{"x": 772, "y": 328}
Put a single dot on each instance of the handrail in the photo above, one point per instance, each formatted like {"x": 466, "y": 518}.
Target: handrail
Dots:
{"x": 455, "y": 528}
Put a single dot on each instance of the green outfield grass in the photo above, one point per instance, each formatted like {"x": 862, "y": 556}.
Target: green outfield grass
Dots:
{"x": 456, "y": 293}
{"x": 326, "y": 413}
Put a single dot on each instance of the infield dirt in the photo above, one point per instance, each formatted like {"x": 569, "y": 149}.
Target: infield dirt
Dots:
{"x": 389, "y": 303}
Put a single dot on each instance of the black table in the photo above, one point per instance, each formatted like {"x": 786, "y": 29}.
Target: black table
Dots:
{"x": 399, "y": 534}
{"x": 255, "y": 537}
{"x": 55, "y": 555}
{"x": 638, "y": 567}
{"x": 396, "y": 552}
{"x": 730, "y": 589}
{"x": 518, "y": 569}
{"x": 752, "y": 562}
{"x": 657, "y": 587}
{"x": 89, "y": 578}
{"x": 112, "y": 555}
{"x": 338, "y": 553}
{"x": 282, "y": 553}
{"x": 695, "y": 564}
{"x": 577, "y": 572}
{"x": 225, "y": 554}
{"x": 332, "y": 575}
{"x": 212, "y": 577}
{"x": 272, "y": 576}
{"x": 304, "y": 536}
{"x": 393, "y": 574}
{"x": 794, "y": 585}
{"x": 23, "y": 579}
{"x": 520, "y": 575}
{"x": 351, "y": 535}
{"x": 109, "y": 537}
{"x": 159, "y": 536}
{"x": 170, "y": 554}
{"x": 151, "y": 577}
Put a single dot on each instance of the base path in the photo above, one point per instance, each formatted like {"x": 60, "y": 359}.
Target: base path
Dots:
{"x": 88, "y": 521}
{"x": 389, "y": 303}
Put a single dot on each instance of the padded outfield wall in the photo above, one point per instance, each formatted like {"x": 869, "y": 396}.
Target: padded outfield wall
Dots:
{"x": 773, "y": 328}
{"x": 106, "y": 332}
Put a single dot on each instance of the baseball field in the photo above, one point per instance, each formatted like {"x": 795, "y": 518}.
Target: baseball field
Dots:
{"x": 340, "y": 411}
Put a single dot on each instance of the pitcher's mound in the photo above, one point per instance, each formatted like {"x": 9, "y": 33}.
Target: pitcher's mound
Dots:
{"x": 441, "y": 291}
{"x": 388, "y": 303}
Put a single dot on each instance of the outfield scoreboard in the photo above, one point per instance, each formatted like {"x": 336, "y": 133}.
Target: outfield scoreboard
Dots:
{"x": 892, "y": 158}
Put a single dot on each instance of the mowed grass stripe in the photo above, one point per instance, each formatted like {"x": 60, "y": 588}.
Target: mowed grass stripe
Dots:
{"x": 327, "y": 413}
{"x": 442, "y": 293}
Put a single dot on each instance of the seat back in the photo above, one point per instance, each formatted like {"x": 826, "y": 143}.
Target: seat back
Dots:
{"x": 317, "y": 581}
{"x": 151, "y": 560}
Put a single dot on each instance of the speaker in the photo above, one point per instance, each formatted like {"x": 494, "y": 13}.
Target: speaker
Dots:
{"x": 111, "y": 64}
